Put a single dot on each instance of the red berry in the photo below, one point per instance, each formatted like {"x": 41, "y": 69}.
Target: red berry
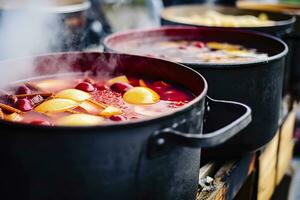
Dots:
{"x": 120, "y": 87}
{"x": 174, "y": 95}
{"x": 199, "y": 44}
{"x": 41, "y": 122}
{"x": 23, "y": 90}
{"x": 24, "y": 105}
{"x": 117, "y": 118}
{"x": 85, "y": 86}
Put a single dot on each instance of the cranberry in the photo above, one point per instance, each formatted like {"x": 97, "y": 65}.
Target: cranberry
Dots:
{"x": 23, "y": 90}
{"x": 199, "y": 44}
{"x": 117, "y": 118}
{"x": 24, "y": 105}
{"x": 41, "y": 122}
{"x": 85, "y": 86}
{"x": 120, "y": 87}
{"x": 174, "y": 95}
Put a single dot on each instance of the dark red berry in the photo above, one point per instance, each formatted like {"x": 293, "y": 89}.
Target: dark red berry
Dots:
{"x": 174, "y": 95}
{"x": 23, "y": 90}
{"x": 199, "y": 44}
{"x": 120, "y": 87}
{"x": 117, "y": 118}
{"x": 24, "y": 105}
{"x": 85, "y": 86}
{"x": 41, "y": 122}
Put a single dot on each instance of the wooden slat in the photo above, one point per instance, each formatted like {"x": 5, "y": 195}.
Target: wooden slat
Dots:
{"x": 286, "y": 146}
{"x": 267, "y": 170}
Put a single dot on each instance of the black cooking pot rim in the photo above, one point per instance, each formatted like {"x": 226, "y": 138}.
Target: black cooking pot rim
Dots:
{"x": 206, "y": 65}
{"x": 116, "y": 125}
{"x": 278, "y": 23}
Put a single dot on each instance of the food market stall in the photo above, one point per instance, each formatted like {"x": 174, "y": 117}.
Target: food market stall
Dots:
{"x": 200, "y": 106}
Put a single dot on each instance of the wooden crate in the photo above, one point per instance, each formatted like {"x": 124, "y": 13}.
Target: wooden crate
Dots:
{"x": 286, "y": 146}
{"x": 267, "y": 170}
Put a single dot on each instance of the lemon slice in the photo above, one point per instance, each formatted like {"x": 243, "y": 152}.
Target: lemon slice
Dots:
{"x": 56, "y": 105}
{"x": 73, "y": 94}
{"x": 223, "y": 46}
{"x": 118, "y": 79}
{"x": 141, "y": 95}
{"x": 80, "y": 120}
{"x": 110, "y": 111}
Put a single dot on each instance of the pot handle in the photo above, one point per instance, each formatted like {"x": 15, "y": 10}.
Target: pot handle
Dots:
{"x": 234, "y": 117}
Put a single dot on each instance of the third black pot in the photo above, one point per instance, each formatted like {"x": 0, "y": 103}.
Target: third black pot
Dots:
{"x": 257, "y": 84}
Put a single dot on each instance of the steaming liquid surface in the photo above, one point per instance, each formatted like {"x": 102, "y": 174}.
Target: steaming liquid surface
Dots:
{"x": 79, "y": 100}
{"x": 214, "y": 18}
{"x": 194, "y": 51}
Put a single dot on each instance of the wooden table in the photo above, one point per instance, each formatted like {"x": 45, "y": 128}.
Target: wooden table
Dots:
{"x": 255, "y": 175}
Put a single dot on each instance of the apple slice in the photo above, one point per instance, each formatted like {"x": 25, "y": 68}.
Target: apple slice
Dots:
{"x": 118, "y": 79}
{"x": 56, "y": 105}
{"x": 80, "y": 120}
{"x": 73, "y": 94}
{"x": 110, "y": 111}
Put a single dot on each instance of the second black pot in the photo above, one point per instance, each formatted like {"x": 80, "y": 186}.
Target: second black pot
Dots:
{"x": 257, "y": 84}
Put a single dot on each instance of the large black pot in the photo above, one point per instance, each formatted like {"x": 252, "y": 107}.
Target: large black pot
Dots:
{"x": 143, "y": 159}
{"x": 257, "y": 84}
{"x": 283, "y": 26}
{"x": 293, "y": 38}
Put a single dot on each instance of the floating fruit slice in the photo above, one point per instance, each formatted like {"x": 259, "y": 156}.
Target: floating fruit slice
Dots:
{"x": 14, "y": 117}
{"x": 80, "y": 120}
{"x": 73, "y": 94}
{"x": 110, "y": 111}
{"x": 222, "y": 46}
{"x": 52, "y": 85}
{"x": 118, "y": 79}
{"x": 141, "y": 95}
{"x": 142, "y": 83}
{"x": 90, "y": 107}
{"x": 56, "y": 105}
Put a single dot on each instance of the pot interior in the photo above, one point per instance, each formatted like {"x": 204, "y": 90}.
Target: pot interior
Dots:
{"x": 170, "y": 13}
{"x": 114, "y": 64}
{"x": 123, "y": 42}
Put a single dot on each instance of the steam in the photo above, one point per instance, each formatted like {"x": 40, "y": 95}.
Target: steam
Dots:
{"x": 26, "y": 29}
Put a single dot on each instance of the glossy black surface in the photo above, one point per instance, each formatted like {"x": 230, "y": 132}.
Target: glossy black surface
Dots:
{"x": 115, "y": 161}
{"x": 257, "y": 84}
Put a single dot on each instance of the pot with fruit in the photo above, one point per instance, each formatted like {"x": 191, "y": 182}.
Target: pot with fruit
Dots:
{"x": 239, "y": 66}
{"x": 100, "y": 126}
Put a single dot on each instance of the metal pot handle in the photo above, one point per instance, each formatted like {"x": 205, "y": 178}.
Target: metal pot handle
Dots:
{"x": 240, "y": 117}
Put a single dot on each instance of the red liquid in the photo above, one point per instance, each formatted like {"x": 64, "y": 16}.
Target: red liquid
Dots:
{"x": 91, "y": 101}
